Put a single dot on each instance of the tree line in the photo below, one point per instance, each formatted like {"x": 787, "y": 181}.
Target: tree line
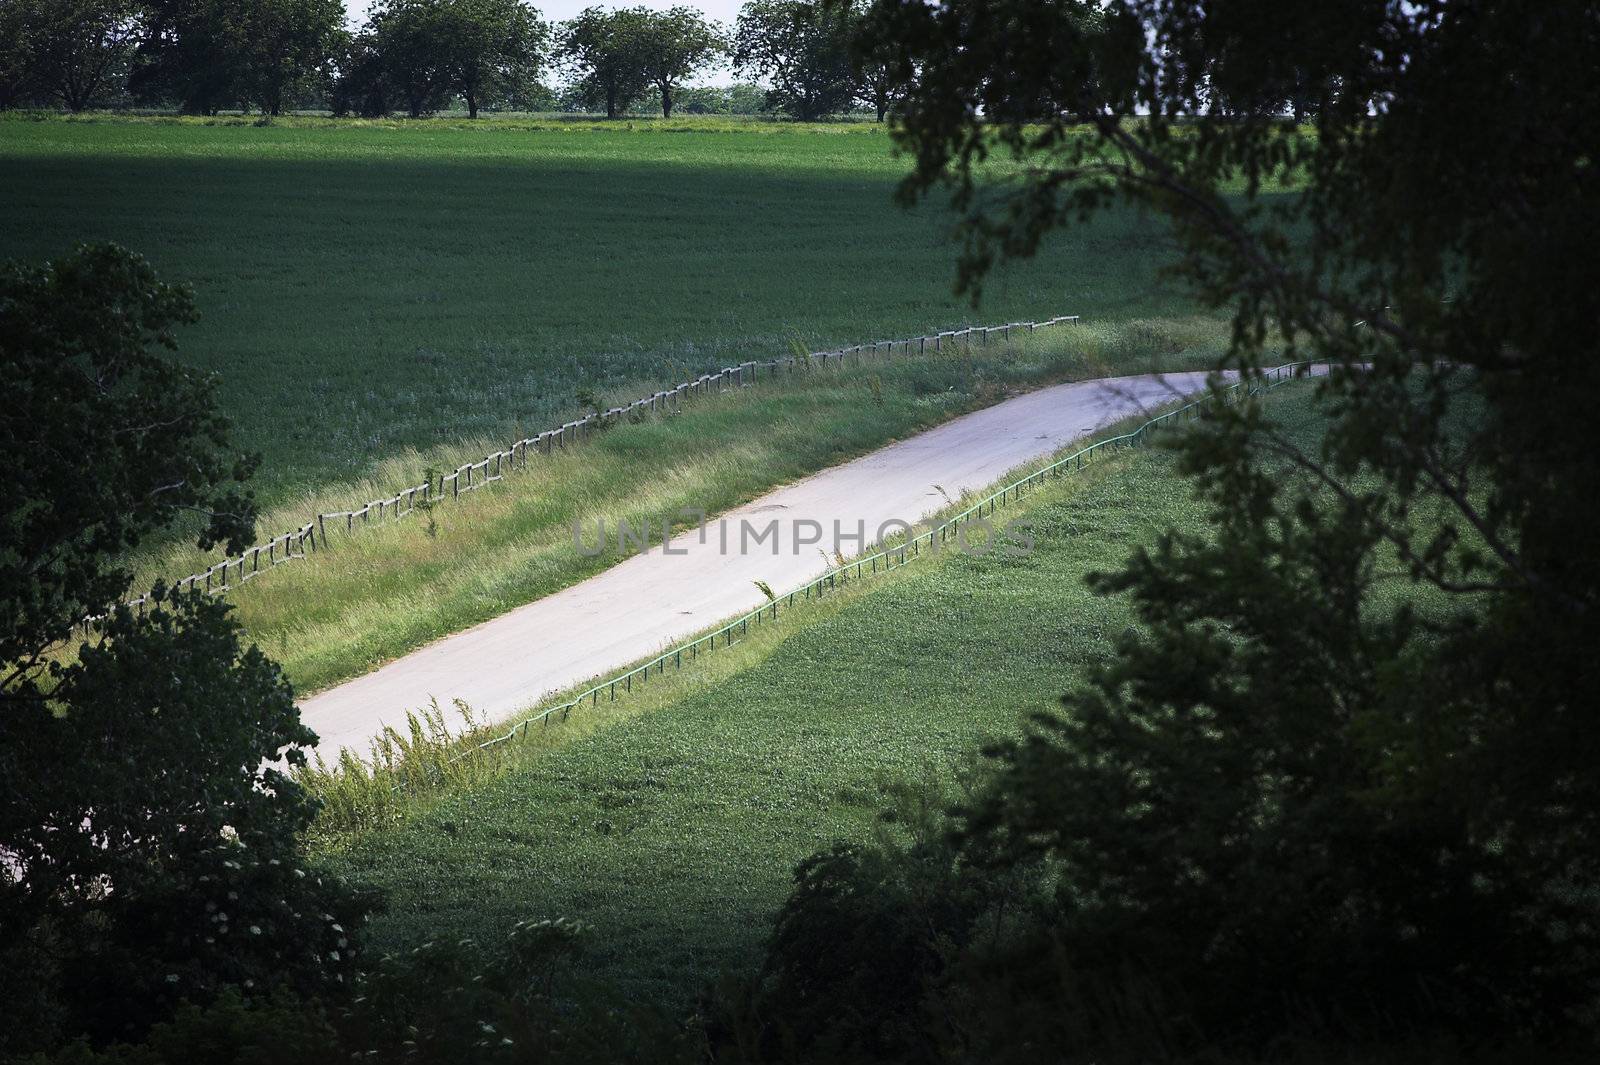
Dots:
{"x": 421, "y": 56}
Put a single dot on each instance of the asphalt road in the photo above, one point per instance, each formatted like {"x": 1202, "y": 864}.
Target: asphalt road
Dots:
{"x": 787, "y": 537}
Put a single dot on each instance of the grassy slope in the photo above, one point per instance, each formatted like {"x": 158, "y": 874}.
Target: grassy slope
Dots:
{"x": 390, "y": 589}
{"x": 674, "y": 832}
{"x": 372, "y": 287}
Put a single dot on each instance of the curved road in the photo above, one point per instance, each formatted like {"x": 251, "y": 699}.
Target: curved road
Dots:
{"x": 653, "y": 600}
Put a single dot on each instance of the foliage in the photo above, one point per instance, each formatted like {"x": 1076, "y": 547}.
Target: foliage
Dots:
{"x": 519, "y": 1002}
{"x": 186, "y": 56}
{"x": 861, "y": 956}
{"x": 488, "y": 51}
{"x": 233, "y": 1030}
{"x": 291, "y": 43}
{"x": 80, "y": 46}
{"x": 131, "y": 441}
{"x": 498, "y": 48}
{"x": 618, "y": 54}
{"x": 1285, "y": 793}
{"x": 408, "y": 39}
{"x": 740, "y": 98}
{"x": 362, "y": 85}
{"x": 673, "y": 46}
{"x": 19, "y": 67}
{"x": 604, "y": 49}
{"x": 153, "y": 854}
{"x": 523, "y": 1001}
{"x": 209, "y": 54}
{"x": 148, "y": 835}
{"x": 803, "y": 49}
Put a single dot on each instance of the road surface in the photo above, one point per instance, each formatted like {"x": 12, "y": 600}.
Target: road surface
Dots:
{"x": 652, "y": 600}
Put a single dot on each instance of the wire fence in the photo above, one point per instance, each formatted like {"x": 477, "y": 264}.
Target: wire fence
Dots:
{"x": 316, "y": 534}
{"x": 882, "y": 561}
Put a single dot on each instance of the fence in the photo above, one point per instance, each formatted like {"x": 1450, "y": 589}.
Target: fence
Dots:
{"x": 314, "y": 534}
{"x": 883, "y": 560}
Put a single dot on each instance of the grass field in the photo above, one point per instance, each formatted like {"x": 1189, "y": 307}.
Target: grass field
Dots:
{"x": 673, "y": 831}
{"x": 373, "y": 287}
{"x": 389, "y": 589}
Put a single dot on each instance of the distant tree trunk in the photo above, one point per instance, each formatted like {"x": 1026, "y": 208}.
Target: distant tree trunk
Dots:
{"x": 611, "y": 101}
{"x": 416, "y": 106}
{"x": 472, "y": 104}
{"x": 73, "y": 93}
{"x": 666, "y": 100}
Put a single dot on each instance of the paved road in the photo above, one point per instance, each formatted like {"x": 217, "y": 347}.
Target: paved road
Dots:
{"x": 650, "y": 601}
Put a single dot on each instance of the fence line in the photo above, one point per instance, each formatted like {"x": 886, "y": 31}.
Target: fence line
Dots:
{"x": 883, "y": 560}
{"x": 313, "y": 536}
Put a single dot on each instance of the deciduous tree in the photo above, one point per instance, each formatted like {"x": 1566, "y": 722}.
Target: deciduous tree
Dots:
{"x": 191, "y": 54}
{"x": 149, "y": 845}
{"x": 803, "y": 49}
{"x": 19, "y": 68}
{"x": 411, "y": 40}
{"x": 1342, "y": 767}
{"x": 496, "y": 48}
{"x": 604, "y": 48}
{"x": 674, "y": 45}
{"x": 290, "y": 45}
{"x": 79, "y": 46}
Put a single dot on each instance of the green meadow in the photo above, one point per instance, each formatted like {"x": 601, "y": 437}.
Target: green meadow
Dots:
{"x": 672, "y": 823}
{"x": 373, "y": 288}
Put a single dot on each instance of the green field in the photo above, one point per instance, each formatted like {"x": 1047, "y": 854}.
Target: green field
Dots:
{"x": 673, "y": 831}
{"x": 393, "y": 587}
{"x": 372, "y": 287}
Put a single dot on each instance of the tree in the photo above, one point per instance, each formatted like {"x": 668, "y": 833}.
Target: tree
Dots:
{"x": 191, "y": 54}
{"x": 496, "y": 48}
{"x": 207, "y": 54}
{"x": 361, "y": 84}
{"x": 19, "y": 67}
{"x": 875, "y": 84}
{"x": 803, "y": 49}
{"x": 488, "y": 51}
{"x": 673, "y": 45}
{"x": 411, "y": 39}
{"x": 79, "y": 45}
{"x": 604, "y": 48}
{"x": 290, "y": 44}
{"x": 1342, "y": 766}
{"x": 148, "y": 836}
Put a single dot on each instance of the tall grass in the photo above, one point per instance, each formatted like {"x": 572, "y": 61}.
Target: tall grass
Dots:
{"x": 439, "y": 754}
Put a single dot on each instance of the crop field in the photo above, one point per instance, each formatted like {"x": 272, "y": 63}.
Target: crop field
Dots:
{"x": 673, "y": 831}
{"x": 372, "y": 288}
